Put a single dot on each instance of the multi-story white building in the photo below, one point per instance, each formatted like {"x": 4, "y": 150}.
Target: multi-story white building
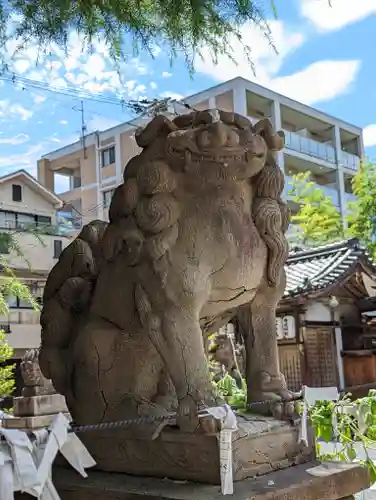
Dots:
{"x": 30, "y": 244}
{"x": 326, "y": 146}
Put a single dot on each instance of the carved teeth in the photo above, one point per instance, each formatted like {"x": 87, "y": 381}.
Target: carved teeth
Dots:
{"x": 190, "y": 157}
{"x": 217, "y": 159}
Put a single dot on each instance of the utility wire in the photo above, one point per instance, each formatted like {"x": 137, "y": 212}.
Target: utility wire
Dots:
{"x": 69, "y": 91}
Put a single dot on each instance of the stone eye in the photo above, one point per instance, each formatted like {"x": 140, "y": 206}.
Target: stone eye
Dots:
{"x": 204, "y": 139}
{"x": 233, "y": 138}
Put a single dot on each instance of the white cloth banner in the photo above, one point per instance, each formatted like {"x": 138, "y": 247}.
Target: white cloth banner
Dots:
{"x": 26, "y": 462}
{"x": 228, "y": 425}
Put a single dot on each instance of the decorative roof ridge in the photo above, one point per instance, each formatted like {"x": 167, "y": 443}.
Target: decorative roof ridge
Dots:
{"x": 315, "y": 252}
{"x": 316, "y": 269}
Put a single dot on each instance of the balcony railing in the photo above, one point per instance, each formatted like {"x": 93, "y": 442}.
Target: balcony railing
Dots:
{"x": 309, "y": 147}
{"x": 328, "y": 191}
{"x": 33, "y": 228}
{"x": 350, "y": 161}
{"x": 68, "y": 221}
{"x": 350, "y": 197}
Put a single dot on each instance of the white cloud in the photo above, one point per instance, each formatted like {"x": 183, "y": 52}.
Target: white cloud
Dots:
{"x": 156, "y": 50}
{"x": 21, "y": 65}
{"x": 94, "y": 66}
{"x": 65, "y": 141}
{"x": 153, "y": 85}
{"x": 16, "y": 140}
{"x": 318, "y": 82}
{"x": 54, "y": 139}
{"x": 340, "y": 14}
{"x": 27, "y": 160}
{"x": 102, "y": 123}
{"x": 38, "y": 99}
{"x": 171, "y": 94}
{"x": 17, "y": 109}
{"x": 10, "y": 111}
{"x": 266, "y": 60}
{"x": 166, "y": 74}
{"x": 88, "y": 68}
{"x": 369, "y": 135}
{"x": 64, "y": 122}
{"x": 134, "y": 91}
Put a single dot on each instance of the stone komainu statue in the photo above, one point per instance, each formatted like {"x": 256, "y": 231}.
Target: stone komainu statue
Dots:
{"x": 196, "y": 230}
{"x": 35, "y": 384}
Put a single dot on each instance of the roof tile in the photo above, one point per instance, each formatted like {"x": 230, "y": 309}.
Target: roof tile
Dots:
{"x": 314, "y": 269}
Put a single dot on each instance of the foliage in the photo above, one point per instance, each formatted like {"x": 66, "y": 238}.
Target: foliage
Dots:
{"x": 182, "y": 26}
{"x": 6, "y": 371}
{"x": 318, "y": 221}
{"x": 226, "y": 388}
{"x": 362, "y": 213}
{"x": 351, "y": 425}
{"x": 225, "y": 385}
{"x": 10, "y": 286}
{"x": 9, "y": 245}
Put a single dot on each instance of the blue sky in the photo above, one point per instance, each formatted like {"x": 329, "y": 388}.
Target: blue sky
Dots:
{"x": 326, "y": 59}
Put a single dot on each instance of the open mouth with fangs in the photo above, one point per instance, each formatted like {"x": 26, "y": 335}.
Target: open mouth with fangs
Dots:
{"x": 223, "y": 156}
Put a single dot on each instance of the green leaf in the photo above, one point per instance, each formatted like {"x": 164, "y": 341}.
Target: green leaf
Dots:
{"x": 351, "y": 453}
{"x": 179, "y": 27}
{"x": 372, "y": 470}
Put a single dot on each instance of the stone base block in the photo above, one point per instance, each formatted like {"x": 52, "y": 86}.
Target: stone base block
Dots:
{"x": 31, "y": 406}
{"x": 29, "y": 423}
{"x": 261, "y": 445}
{"x": 303, "y": 482}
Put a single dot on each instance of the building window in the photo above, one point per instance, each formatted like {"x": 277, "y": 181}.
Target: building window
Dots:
{"x": 25, "y": 221}
{"x": 58, "y": 248}
{"x": 16, "y": 192}
{"x": 18, "y": 303}
{"x": 76, "y": 182}
{"x": 19, "y": 220}
{"x": 108, "y": 156}
{"x": 43, "y": 221}
{"x": 107, "y": 197}
{"x": 7, "y": 220}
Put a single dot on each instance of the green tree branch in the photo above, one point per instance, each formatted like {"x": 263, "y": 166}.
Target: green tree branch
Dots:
{"x": 182, "y": 27}
{"x": 318, "y": 221}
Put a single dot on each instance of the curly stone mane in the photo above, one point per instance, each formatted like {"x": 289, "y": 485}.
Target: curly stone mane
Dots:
{"x": 144, "y": 211}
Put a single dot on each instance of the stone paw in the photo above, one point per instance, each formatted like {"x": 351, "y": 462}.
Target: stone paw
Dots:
{"x": 274, "y": 399}
{"x": 187, "y": 414}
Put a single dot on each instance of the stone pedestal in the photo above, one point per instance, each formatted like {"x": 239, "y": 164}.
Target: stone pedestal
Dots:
{"x": 260, "y": 445}
{"x": 310, "y": 481}
{"x": 34, "y": 412}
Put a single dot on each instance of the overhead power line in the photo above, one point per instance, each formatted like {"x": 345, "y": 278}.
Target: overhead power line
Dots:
{"x": 68, "y": 91}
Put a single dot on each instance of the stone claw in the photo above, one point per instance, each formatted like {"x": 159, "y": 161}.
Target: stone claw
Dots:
{"x": 279, "y": 401}
{"x": 187, "y": 417}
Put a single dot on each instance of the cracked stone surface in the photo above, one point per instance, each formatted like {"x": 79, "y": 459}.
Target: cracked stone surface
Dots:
{"x": 260, "y": 446}
{"x": 196, "y": 230}
{"x": 296, "y": 483}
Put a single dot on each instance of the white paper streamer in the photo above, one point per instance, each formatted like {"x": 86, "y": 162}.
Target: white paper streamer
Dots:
{"x": 228, "y": 425}
{"x": 25, "y": 465}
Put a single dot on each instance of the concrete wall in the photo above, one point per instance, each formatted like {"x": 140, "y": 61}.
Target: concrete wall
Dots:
{"x": 32, "y": 201}
{"x": 38, "y": 252}
{"x": 317, "y": 311}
